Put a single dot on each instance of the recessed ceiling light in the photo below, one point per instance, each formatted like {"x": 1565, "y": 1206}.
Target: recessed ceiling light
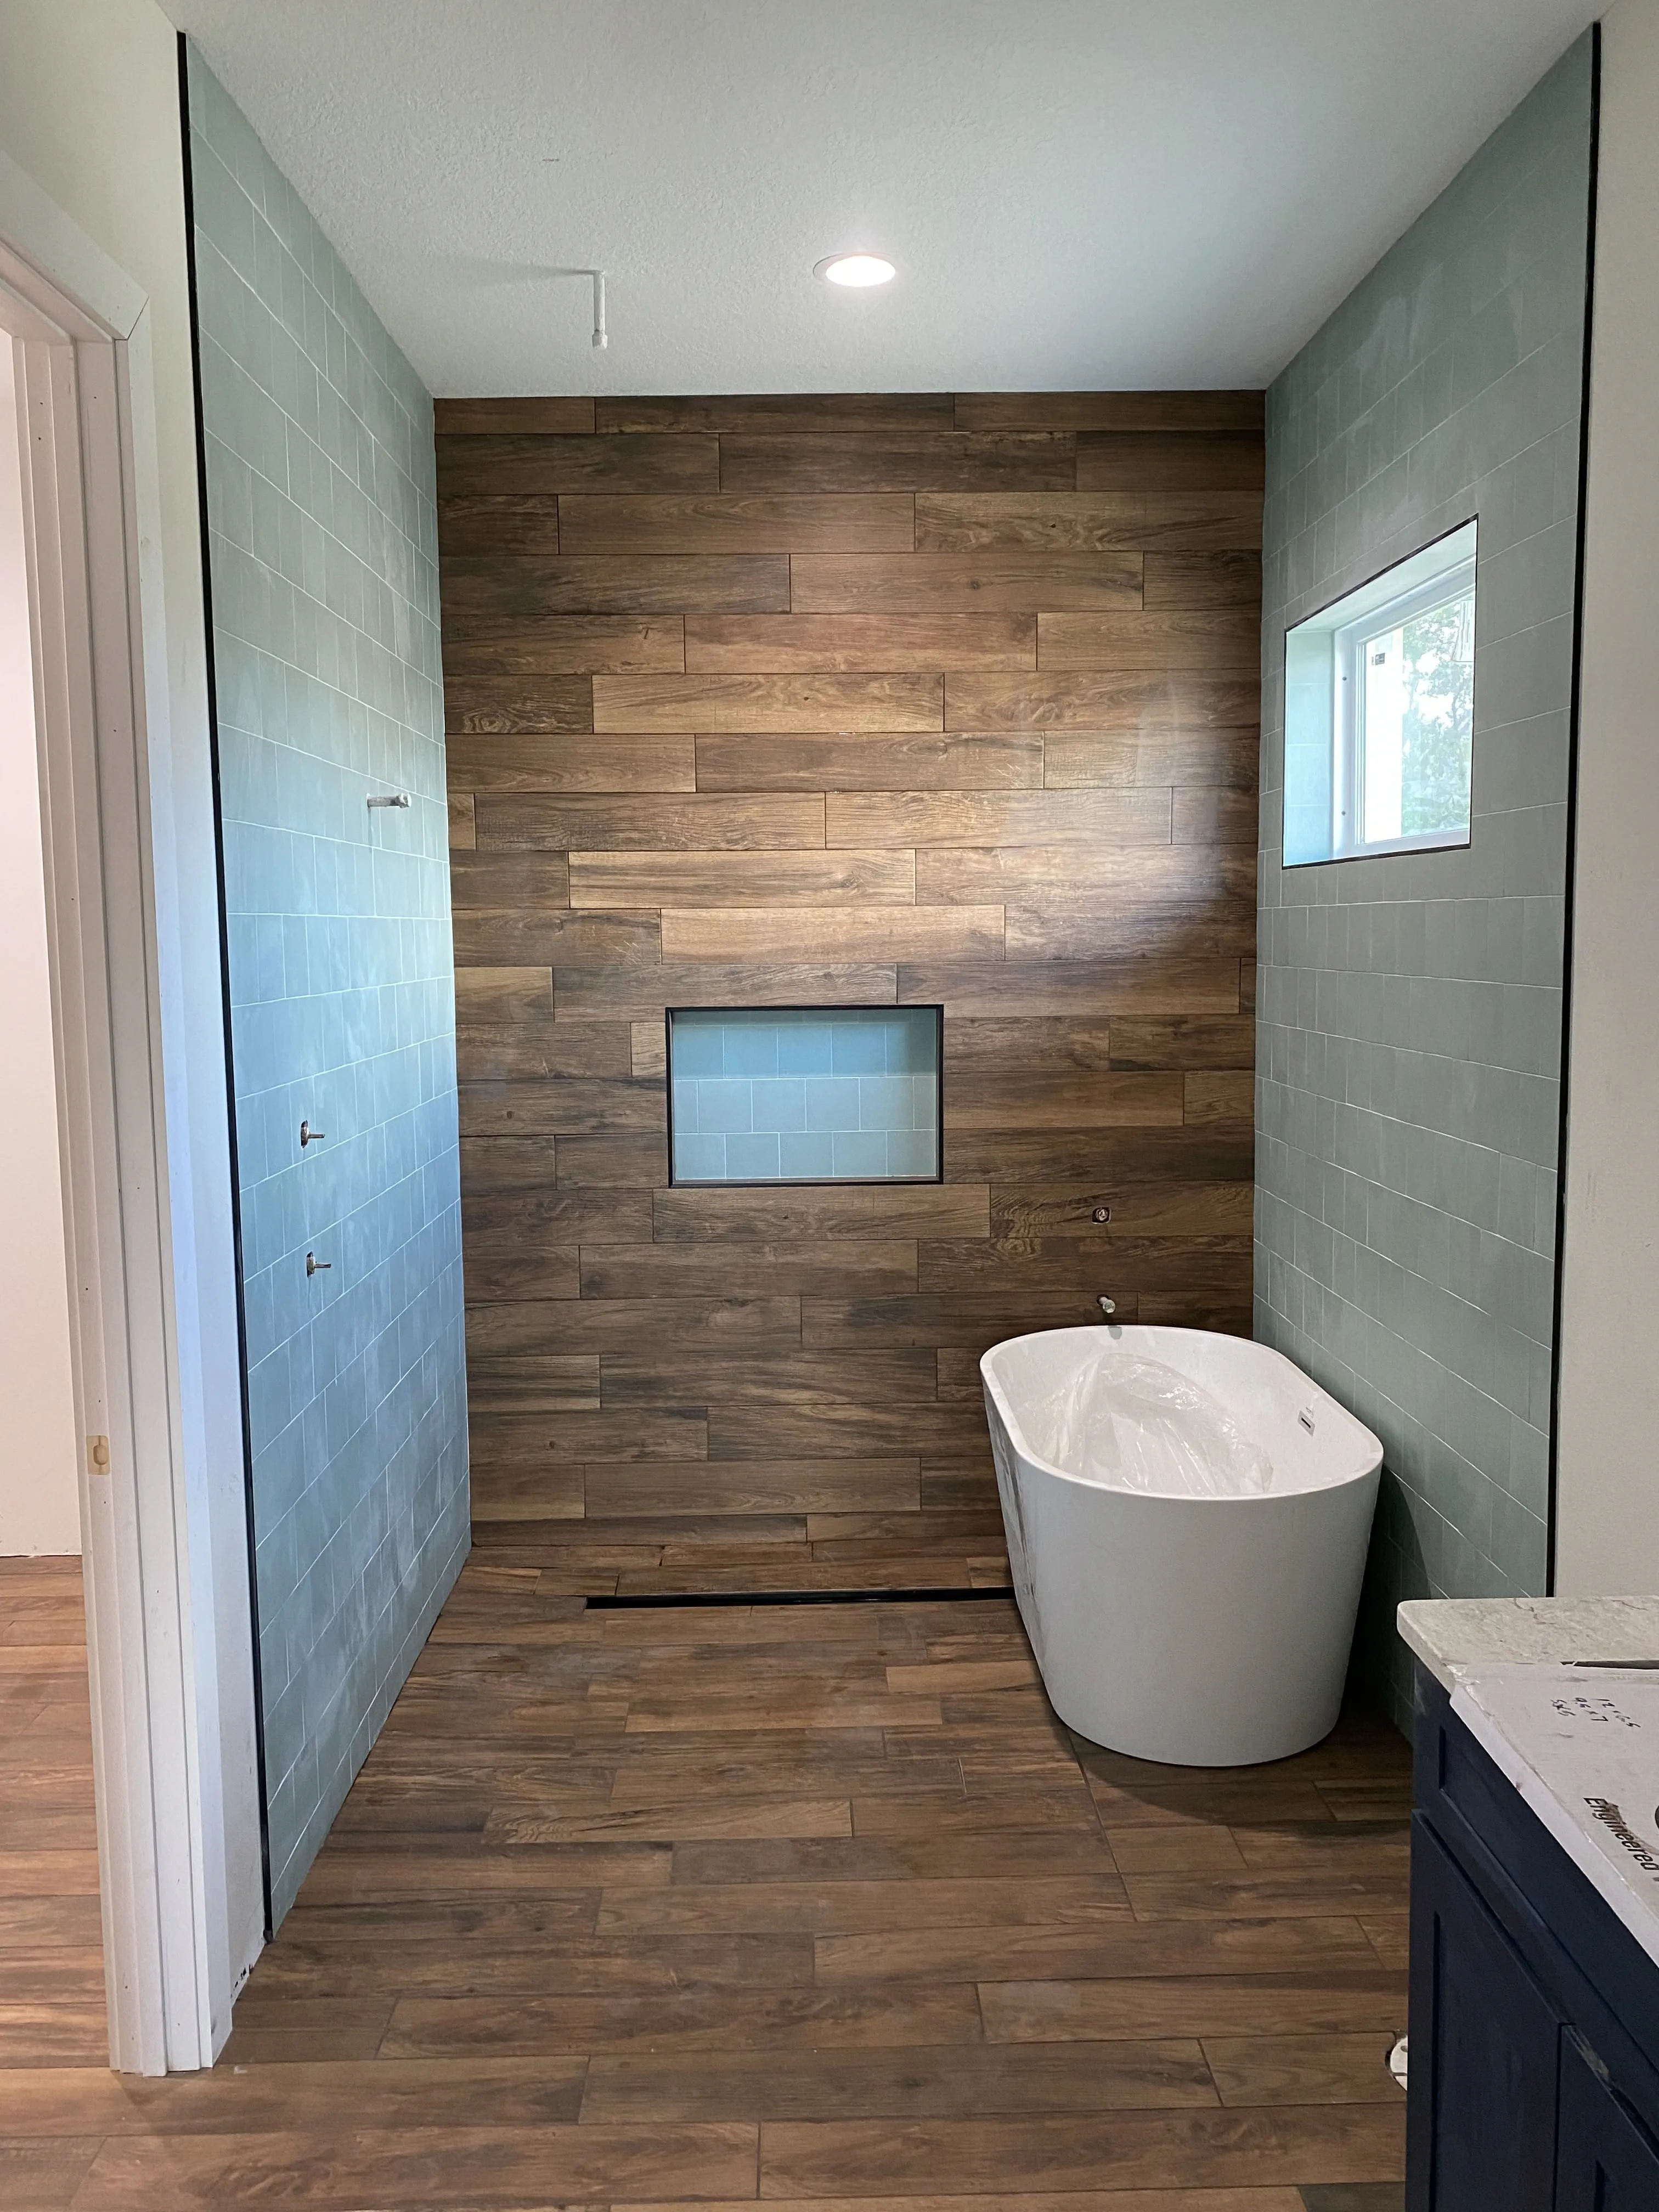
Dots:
{"x": 856, "y": 270}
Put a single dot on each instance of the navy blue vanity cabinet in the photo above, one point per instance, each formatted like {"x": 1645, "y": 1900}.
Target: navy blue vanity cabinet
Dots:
{"x": 1605, "y": 2159}
{"x": 1482, "y": 2086}
{"x": 1535, "y": 2013}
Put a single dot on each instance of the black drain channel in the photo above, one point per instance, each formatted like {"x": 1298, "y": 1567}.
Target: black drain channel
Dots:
{"x": 799, "y": 1597}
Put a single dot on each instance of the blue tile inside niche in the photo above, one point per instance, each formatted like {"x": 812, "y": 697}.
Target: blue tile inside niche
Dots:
{"x": 805, "y": 1095}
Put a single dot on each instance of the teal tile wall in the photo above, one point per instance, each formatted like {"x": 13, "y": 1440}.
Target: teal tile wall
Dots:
{"x": 821, "y": 1094}
{"x": 323, "y": 557}
{"x": 1409, "y": 1049}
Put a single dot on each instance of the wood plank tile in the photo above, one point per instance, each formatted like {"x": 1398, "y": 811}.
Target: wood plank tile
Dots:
{"x": 737, "y": 644}
{"x": 534, "y": 1384}
{"x": 897, "y": 461}
{"x": 512, "y": 705}
{"x": 1203, "y": 1896}
{"x": 516, "y": 940}
{"x": 520, "y": 461}
{"x": 1199, "y": 1041}
{"x": 1357, "y": 2000}
{"x": 507, "y": 1264}
{"x": 547, "y": 762}
{"x": 501, "y": 584}
{"x": 572, "y": 1108}
{"x": 725, "y": 704}
{"x": 747, "y": 1215}
{"x": 538, "y": 1048}
{"x": 1114, "y": 2200}
{"x": 863, "y": 933}
{"x": 463, "y": 833}
{"x": 697, "y": 822}
{"x": 1089, "y": 990}
{"x": 1215, "y": 816}
{"x": 640, "y": 993}
{"x": 768, "y": 1324}
{"x": 347, "y": 2168}
{"x": 1202, "y": 580}
{"x": 567, "y": 644}
{"x": 836, "y": 1267}
{"x": 574, "y": 1438}
{"x": 1020, "y": 1098}
{"x": 493, "y": 523}
{"x": 1173, "y": 461}
{"x": 993, "y": 581}
{"x": 506, "y": 417}
{"x": 731, "y": 1816}
{"x": 1116, "y": 877}
{"x": 1137, "y": 1209}
{"x": 871, "y": 522}
{"x": 1224, "y": 758}
{"x": 870, "y": 760}
{"x": 1237, "y": 414}
{"x": 924, "y": 818}
{"x": 506, "y": 995}
{"x": 809, "y": 879}
{"x": 1220, "y": 1098}
{"x": 648, "y": 1047}
{"x": 750, "y": 1487}
{"x": 515, "y": 1495}
{"x": 694, "y": 2019}
{"x": 504, "y": 879}
{"x": 813, "y": 412}
{"x": 1209, "y": 641}
{"x": 1139, "y": 2149}
{"x": 1208, "y": 518}
{"x": 1076, "y": 700}
{"x": 1306, "y": 2069}
{"x": 957, "y": 2080}
{"x": 799, "y": 1378}
{"x": 1081, "y": 931}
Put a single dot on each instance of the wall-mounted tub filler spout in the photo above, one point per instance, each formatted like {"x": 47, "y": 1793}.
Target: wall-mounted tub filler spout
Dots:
{"x": 310, "y": 1136}
{"x": 316, "y": 1266}
{"x": 1107, "y": 1305}
{"x": 389, "y": 799}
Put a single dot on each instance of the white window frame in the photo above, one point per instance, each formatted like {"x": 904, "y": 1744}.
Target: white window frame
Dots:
{"x": 1348, "y": 838}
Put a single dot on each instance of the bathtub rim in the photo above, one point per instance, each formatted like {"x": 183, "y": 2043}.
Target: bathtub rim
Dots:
{"x": 1368, "y": 1473}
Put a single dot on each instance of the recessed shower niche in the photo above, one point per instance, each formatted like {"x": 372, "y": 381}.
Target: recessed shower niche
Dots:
{"x": 805, "y": 1094}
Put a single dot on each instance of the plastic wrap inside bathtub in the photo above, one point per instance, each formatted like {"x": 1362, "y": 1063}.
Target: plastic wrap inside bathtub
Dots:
{"x": 1131, "y": 1423}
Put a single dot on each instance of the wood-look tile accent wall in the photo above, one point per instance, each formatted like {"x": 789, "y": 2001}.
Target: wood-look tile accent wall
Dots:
{"x": 790, "y": 701}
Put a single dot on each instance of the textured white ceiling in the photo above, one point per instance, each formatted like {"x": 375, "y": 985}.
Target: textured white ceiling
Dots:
{"x": 1077, "y": 193}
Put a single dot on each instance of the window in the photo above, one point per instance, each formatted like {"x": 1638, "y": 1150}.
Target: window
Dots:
{"x": 1379, "y": 711}
{"x": 805, "y": 1094}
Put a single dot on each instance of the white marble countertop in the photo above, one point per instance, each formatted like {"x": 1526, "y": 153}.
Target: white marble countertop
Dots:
{"x": 1459, "y": 1633}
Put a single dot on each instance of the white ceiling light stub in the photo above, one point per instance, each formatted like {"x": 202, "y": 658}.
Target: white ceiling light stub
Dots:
{"x": 856, "y": 272}
{"x": 601, "y": 336}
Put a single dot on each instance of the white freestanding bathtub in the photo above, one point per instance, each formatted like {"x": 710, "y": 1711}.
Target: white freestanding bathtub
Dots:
{"x": 1187, "y": 1518}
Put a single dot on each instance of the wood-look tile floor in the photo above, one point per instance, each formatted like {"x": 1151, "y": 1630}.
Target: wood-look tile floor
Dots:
{"x": 653, "y": 1907}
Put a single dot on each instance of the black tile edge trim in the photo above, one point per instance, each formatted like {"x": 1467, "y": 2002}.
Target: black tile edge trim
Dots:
{"x": 211, "y": 672}
{"x": 1574, "y": 711}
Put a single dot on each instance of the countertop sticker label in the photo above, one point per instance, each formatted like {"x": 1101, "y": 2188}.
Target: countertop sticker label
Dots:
{"x": 1604, "y": 1809}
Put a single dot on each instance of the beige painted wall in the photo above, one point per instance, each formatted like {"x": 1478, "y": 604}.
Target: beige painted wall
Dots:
{"x": 40, "y": 1507}
{"x": 1607, "y": 1508}
{"x": 89, "y": 117}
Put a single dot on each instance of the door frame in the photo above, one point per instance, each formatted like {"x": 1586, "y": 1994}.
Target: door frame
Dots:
{"x": 170, "y": 1661}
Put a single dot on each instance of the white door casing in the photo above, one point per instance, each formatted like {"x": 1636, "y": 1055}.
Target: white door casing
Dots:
{"x": 171, "y": 1727}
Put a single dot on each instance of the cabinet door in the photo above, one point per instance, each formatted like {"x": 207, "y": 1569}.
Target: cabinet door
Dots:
{"x": 1481, "y": 2099}
{"x": 1605, "y": 2160}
